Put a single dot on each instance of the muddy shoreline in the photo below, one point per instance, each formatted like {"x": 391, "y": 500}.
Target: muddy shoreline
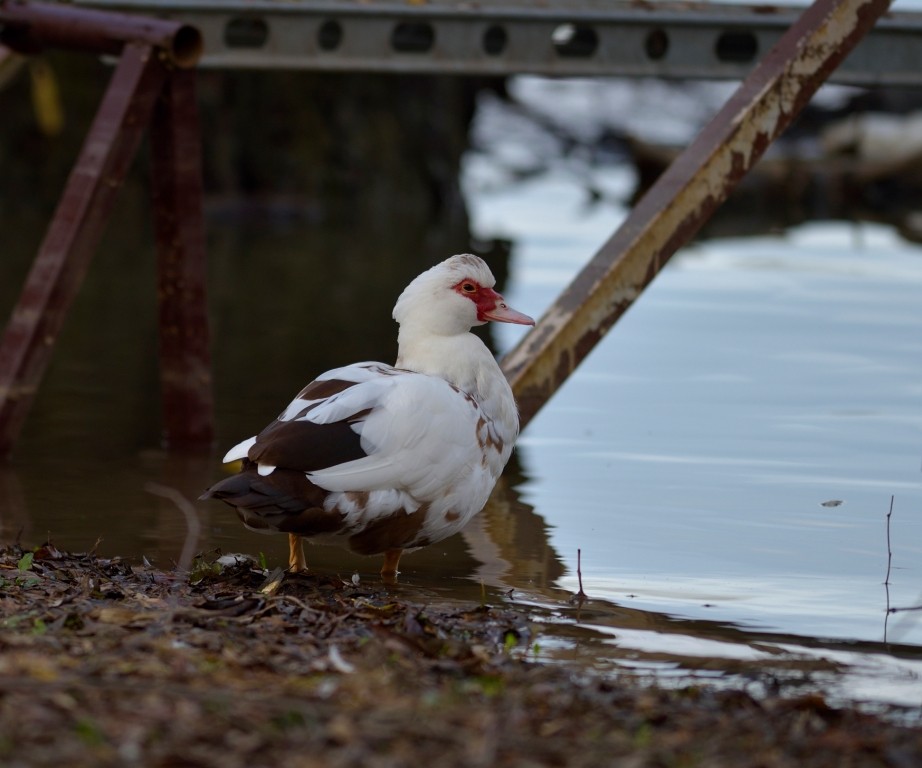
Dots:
{"x": 107, "y": 664}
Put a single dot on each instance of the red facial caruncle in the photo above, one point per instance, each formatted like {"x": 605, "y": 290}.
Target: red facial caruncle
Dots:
{"x": 490, "y": 304}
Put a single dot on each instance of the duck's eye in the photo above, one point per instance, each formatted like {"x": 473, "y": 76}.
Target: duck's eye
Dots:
{"x": 468, "y": 288}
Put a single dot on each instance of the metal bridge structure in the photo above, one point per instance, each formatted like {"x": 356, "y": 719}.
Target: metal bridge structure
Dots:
{"x": 782, "y": 55}
{"x": 563, "y": 38}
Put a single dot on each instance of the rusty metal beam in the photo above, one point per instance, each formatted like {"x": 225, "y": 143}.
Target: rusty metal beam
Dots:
{"x": 176, "y": 170}
{"x": 74, "y": 232}
{"x": 685, "y": 196}
{"x": 29, "y": 27}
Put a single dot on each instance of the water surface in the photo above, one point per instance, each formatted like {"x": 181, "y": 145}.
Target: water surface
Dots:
{"x": 729, "y": 452}
{"x": 724, "y": 461}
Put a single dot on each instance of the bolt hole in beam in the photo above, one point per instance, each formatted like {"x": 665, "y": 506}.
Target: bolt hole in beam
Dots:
{"x": 656, "y": 44}
{"x": 246, "y": 32}
{"x": 494, "y": 40}
{"x": 413, "y": 37}
{"x": 575, "y": 41}
{"x": 736, "y": 47}
{"x": 330, "y": 35}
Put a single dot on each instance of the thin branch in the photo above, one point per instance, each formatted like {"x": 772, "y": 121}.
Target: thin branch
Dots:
{"x": 889, "y": 549}
{"x": 887, "y": 610}
{"x": 906, "y": 608}
{"x": 579, "y": 575}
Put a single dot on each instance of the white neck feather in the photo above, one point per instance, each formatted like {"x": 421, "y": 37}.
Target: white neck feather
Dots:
{"x": 462, "y": 359}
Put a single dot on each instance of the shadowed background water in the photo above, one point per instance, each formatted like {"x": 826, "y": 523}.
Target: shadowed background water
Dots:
{"x": 724, "y": 461}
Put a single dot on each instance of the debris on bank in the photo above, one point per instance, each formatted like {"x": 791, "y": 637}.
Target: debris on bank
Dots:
{"x": 103, "y": 663}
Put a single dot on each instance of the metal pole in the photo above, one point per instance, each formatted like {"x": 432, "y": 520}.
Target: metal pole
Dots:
{"x": 28, "y": 27}
{"x": 685, "y": 196}
{"x": 176, "y": 170}
{"x": 74, "y": 232}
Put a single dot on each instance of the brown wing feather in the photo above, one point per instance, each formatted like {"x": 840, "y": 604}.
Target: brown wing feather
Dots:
{"x": 286, "y": 500}
{"x": 306, "y": 446}
{"x": 320, "y": 390}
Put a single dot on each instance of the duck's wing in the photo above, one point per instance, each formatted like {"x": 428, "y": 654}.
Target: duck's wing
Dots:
{"x": 420, "y": 436}
{"x": 371, "y": 427}
{"x": 294, "y": 441}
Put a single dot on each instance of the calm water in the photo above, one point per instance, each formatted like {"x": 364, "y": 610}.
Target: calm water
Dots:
{"x": 724, "y": 461}
{"x": 729, "y": 452}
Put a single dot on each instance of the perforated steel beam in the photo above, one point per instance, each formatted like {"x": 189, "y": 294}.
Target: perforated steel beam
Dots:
{"x": 685, "y": 196}
{"x": 501, "y": 37}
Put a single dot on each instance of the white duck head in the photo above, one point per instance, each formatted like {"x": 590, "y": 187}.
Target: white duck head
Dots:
{"x": 452, "y": 297}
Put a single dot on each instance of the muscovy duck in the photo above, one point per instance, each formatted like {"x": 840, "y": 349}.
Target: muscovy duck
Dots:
{"x": 388, "y": 458}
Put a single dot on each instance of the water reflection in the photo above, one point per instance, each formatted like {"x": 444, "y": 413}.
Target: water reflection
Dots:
{"x": 510, "y": 540}
{"x": 515, "y": 557}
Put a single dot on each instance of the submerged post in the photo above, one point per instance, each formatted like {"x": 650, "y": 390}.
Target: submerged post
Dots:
{"x": 179, "y": 222}
{"x": 149, "y": 50}
{"x": 685, "y": 196}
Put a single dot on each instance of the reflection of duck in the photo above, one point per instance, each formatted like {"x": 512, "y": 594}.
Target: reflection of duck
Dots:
{"x": 385, "y": 458}
{"x": 510, "y": 541}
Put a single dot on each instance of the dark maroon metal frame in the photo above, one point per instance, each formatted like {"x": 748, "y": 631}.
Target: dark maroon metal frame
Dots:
{"x": 30, "y": 27}
{"x": 150, "y": 87}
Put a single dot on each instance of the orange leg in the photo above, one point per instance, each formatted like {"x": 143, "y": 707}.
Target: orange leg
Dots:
{"x": 296, "y": 560}
{"x": 389, "y": 568}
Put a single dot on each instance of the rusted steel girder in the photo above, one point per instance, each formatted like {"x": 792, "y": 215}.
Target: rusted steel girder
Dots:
{"x": 185, "y": 360}
{"x": 685, "y": 196}
{"x": 29, "y": 27}
{"x": 146, "y": 89}
{"x": 74, "y": 233}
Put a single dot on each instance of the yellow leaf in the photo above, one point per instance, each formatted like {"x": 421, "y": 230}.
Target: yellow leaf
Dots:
{"x": 46, "y": 98}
